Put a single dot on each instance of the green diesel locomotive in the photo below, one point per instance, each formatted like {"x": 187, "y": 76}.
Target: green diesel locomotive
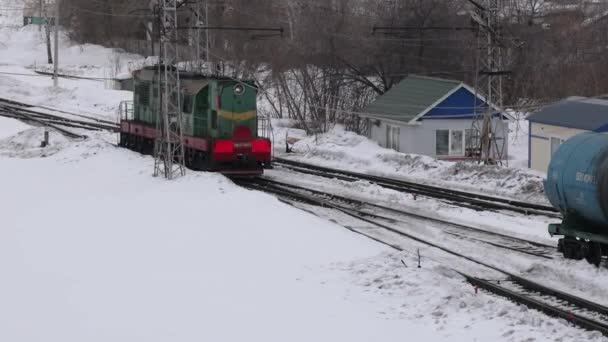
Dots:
{"x": 220, "y": 125}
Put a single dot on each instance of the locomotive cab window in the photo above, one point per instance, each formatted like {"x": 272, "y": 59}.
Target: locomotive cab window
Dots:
{"x": 214, "y": 119}
{"x": 188, "y": 104}
{"x": 143, "y": 93}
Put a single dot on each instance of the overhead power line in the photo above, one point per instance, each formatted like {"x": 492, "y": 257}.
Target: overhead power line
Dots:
{"x": 229, "y": 28}
{"x": 113, "y": 14}
{"x": 424, "y": 28}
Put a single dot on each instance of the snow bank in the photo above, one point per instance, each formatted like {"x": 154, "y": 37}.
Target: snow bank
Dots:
{"x": 28, "y": 143}
{"x": 92, "y": 251}
{"x": 10, "y": 127}
{"x": 23, "y": 50}
{"x": 346, "y": 150}
{"x": 104, "y": 259}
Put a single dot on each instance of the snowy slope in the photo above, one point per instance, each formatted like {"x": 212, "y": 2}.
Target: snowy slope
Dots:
{"x": 23, "y": 50}
{"x": 90, "y": 253}
{"x": 342, "y": 149}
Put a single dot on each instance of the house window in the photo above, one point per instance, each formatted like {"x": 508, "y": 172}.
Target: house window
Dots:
{"x": 392, "y": 137}
{"x": 555, "y": 143}
{"x": 450, "y": 142}
{"x": 457, "y": 143}
{"x": 442, "y": 142}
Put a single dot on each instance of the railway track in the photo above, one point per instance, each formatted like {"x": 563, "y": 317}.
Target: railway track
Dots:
{"x": 24, "y": 112}
{"x": 388, "y": 215}
{"x": 456, "y": 197}
{"x": 578, "y": 311}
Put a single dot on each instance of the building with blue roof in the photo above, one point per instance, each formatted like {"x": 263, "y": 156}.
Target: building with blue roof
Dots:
{"x": 555, "y": 123}
{"x": 434, "y": 117}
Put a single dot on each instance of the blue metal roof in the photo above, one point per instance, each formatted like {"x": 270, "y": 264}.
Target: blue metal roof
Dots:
{"x": 575, "y": 112}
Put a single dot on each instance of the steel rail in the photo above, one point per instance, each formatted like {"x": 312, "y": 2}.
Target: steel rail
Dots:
{"x": 29, "y": 117}
{"x": 46, "y": 116}
{"x": 67, "y": 133}
{"x": 20, "y": 111}
{"x": 546, "y": 249}
{"x": 570, "y": 310}
{"x": 28, "y": 106}
{"x": 458, "y": 196}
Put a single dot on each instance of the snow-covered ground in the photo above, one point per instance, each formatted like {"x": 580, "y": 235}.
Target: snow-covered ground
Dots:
{"x": 95, "y": 249}
{"x": 92, "y": 248}
{"x": 342, "y": 149}
{"x": 531, "y": 228}
{"x": 23, "y": 51}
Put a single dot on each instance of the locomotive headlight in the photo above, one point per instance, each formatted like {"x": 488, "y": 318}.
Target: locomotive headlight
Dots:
{"x": 239, "y": 89}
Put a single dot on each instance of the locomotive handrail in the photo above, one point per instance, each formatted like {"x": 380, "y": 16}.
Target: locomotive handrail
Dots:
{"x": 125, "y": 110}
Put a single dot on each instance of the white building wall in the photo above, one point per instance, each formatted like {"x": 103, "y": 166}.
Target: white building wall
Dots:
{"x": 406, "y": 135}
{"x": 420, "y": 138}
{"x": 378, "y": 133}
{"x": 540, "y": 143}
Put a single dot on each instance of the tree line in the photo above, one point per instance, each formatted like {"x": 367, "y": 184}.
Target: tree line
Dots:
{"x": 335, "y": 56}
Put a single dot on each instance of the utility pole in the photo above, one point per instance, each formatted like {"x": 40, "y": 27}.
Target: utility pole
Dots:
{"x": 40, "y": 14}
{"x": 56, "y": 59}
{"x": 47, "y": 32}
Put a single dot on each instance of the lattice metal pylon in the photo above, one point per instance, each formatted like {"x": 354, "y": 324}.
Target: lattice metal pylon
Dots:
{"x": 202, "y": 39}
{"x": 169, "y": 149}
{"x": 487, "y": 132}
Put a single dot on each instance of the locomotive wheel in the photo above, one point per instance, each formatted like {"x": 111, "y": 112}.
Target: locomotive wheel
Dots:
{"x": 594, "y": 253}
{"x": 127, "y": 142}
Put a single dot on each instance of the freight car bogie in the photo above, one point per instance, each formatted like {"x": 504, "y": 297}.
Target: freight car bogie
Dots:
{"x": 581, "y": 239}
{"x": 573, "y": 248}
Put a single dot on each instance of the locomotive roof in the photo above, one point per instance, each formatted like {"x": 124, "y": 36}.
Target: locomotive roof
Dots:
{"x": 189, "y": 75}
{"x": 588, "y": 114}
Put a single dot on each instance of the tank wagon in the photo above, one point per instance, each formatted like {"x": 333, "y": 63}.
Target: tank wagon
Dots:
{"x": 577, "y": 185}
{"x": 219, "y": 122}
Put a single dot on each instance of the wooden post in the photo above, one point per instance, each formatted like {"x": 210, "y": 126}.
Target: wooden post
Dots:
{"x": 45, "y": 142}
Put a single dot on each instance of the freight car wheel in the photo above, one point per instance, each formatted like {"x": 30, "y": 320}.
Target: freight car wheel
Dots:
{"x": 572, "y": 248}
{"x": 594, "y": 253}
